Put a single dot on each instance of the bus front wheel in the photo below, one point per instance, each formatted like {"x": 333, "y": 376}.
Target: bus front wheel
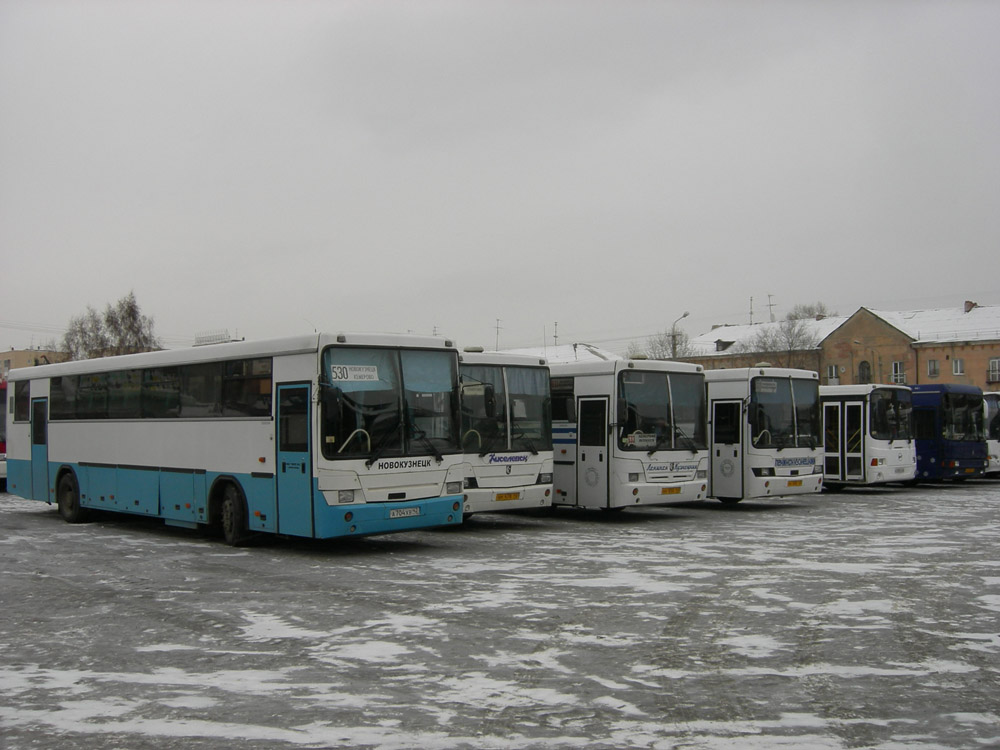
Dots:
{"x": 234, "y": 517}
{"x": 68, "y": 500}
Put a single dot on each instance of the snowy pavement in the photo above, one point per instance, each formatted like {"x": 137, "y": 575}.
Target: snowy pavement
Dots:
{"x": 853, "y": 620}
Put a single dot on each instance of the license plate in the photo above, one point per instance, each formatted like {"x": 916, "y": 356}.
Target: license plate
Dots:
{"x": 900, "y": 469}
{"x": 404, "y": 512}
{"x": 970, "y": 471}
{"x": 794, "y": 482}
{"x": 670, "y": 491}
{"x": 508, "y": 496}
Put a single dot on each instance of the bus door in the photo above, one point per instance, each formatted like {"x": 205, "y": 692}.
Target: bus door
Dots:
{"x": 294, "y": 468}
{"x": 592, "y": 453}
{"x": 727, "y": 453}
{"x": 833, "y": 465}
{"x": 39, "y": 450}
{"x": 854, "y": 440}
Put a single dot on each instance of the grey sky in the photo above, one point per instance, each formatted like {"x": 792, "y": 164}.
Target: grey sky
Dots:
{"x": 274, "y": 167}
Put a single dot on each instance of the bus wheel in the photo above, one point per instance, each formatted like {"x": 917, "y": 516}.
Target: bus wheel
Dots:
{"x": 68, "y": 500}
{"x": 234, "y": 517}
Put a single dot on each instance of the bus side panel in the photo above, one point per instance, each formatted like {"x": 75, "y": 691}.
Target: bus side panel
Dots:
{"x": 139, "y": 491}
{"x": 262, "y": 508}
{"x": 98, "y": 486}
{"x": 182, "y": 496}
{"x": 19, "y": 478}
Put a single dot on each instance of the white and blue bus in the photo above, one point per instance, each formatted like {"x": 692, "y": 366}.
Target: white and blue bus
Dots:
{"x": 867, "y": 434}
{"x": 506, "y": 431}
{"x": 764, "y": 433}
{"x": 323, "y": 436}
{"x": 627, "y": 433}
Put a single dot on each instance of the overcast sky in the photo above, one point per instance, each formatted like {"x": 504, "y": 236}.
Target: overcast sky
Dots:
{"x": 275, "y": 167}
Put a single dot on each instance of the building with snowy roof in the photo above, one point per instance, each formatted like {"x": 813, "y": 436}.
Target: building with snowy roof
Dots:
{"x": 950, "y": 345}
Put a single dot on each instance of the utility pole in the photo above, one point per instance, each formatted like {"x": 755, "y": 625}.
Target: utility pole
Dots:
{"x": 770, "y": 307}
{"x": 497, "y": 348}
{"x": 751, "y": 311}
{"x": 555, "y": 336}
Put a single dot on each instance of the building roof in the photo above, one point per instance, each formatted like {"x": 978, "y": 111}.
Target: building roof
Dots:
{"x": 950, "y": 324}
{"x": 725, "y": 339}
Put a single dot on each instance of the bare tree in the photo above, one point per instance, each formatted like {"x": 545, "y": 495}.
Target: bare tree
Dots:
{"x": 781, "y": 342}
{"x": 673, "y": 344}
{"x": 813, "y": 311}
{"x": 122, "y": 329}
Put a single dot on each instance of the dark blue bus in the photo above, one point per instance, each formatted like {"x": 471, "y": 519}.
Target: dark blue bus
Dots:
{"x": 948, "y": 427}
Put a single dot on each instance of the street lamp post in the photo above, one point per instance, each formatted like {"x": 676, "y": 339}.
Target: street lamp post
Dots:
{"x": 673, "y": 335}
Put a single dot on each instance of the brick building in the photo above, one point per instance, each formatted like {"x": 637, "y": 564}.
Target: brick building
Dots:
{"x": 950, "y": 345}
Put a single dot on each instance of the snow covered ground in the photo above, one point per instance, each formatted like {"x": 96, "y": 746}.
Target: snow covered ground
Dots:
{"x": 859, "y": 619}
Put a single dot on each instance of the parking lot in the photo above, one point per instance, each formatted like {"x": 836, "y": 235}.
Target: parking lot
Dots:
{"x": 848, "y": 620}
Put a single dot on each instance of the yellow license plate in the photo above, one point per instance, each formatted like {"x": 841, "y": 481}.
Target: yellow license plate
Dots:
{"x": 670, "y": 491}
{"x": 795, "y": 483}
{"x": 970, "y": 471}
{"x": 508, "y": 496}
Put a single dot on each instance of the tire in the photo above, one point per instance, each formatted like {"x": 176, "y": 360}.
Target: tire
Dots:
{"x": 68, "y": 501}
{"x": 234, "y": 517}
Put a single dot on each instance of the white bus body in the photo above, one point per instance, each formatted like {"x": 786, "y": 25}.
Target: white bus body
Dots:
{"x": 323, "y": 436}
{"x": 506, "y": 431}
{"x": 867, "y": 434}
{"x": 991, "y": 426}
{"x": 764, "y": 433}
{"x": 628, "y": 432}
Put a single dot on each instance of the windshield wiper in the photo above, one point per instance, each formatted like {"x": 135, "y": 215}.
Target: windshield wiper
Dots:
{"x": 527, "y": 440}
{"x": 420, "y": 435}
{"x": 383, "y": 443}
{"x": 491, "y": 439}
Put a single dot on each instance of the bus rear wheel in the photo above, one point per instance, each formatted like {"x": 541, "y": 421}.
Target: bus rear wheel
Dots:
{"x": 68, "y": 501}
{"x": 234, "y": 517}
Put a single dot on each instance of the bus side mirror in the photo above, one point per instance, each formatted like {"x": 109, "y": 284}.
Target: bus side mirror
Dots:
{"x": 489, "y": 400}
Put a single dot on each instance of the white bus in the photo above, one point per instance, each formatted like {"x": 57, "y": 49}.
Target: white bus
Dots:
{"x": 628, "y": 432}
{"x": 991, "y": 426}
{"x": 316, "y": 436}
{"x": 764, "y": 433}
{"x": 506, "y": 431}
{"x": 867, "y": 434}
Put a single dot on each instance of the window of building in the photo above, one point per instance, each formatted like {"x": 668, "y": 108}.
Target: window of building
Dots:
{"x": 898, "y": 372}
{"x": 831, "y": 372}
{"x": 933, "y": 368}
{"x": 993, "y": 374}
{"x": 958, "y": 366}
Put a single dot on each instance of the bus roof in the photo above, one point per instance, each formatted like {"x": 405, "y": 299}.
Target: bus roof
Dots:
{"x": 859, "y": 389}
{"x": 234, "y": 350}
{"x": 608, "y": 367}
{"x": 745, "y": 373}
{"x": 500, "y": 358}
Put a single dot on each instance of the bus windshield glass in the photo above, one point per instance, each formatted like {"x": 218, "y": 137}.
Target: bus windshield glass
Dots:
{"x": 891, "y": 414}
{"x": 661, "y": 411}
{"x": 382, "y": 402}
{"x": 784, "y": 413}
{"x": 992, "y": 407}
{"x": 962, "y": 417}
{"x": 505, "y": 408}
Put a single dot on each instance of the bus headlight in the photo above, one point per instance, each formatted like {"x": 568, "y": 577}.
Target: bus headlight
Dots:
{"x": 817, "y": 469}
{"x": 633, "y": 477}
{"x": 701, "y": 474}
{"x": 766, "y": 471}
{"x": 544, "y": 479}
{"x": 345, "y": 496}
{"x": 453, "y": 488}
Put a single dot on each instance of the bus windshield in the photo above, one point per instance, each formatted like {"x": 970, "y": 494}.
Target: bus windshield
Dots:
{"x": 495, "y": 398}
{"x": 992, "y": 408}
{"x": 661, "y": 411}
{"x": 891, "y": 414}
{"x": 784, "y": 413}
{"x": 962, "y": 417}
{"x": 385, "y": 402}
